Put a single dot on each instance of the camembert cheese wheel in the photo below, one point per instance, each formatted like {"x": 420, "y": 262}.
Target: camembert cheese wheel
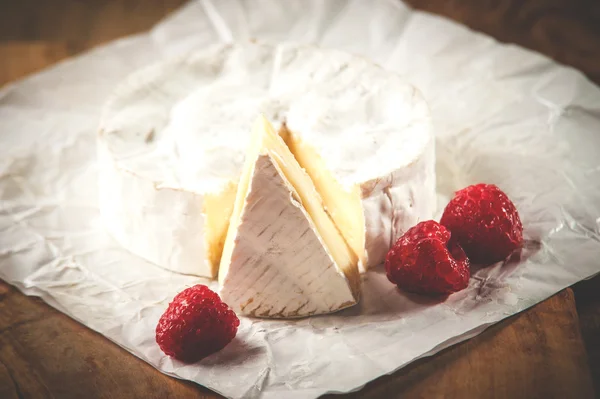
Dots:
{"x": 173, "y": 140}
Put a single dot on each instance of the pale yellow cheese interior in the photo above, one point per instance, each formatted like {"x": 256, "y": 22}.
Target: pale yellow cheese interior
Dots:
{"x": 266, "y": 141}
{"x": 217, "y": 210}
{"x": 343, "y": 204}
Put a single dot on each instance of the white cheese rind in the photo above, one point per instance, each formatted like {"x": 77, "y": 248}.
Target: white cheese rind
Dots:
{"x": 133, "y": 211}
{"x": 280, "y": 266}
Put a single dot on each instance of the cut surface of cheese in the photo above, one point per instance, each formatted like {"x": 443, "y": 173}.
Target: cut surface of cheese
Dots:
{"x": 217, "y": 210}
{"x": 174, "y": 136}
{"x": 343, "y": 205}
{"x": 283, "y": 256}
{"x": 374, "y": 212}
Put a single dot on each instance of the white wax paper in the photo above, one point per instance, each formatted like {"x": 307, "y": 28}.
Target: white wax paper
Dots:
{"x": 503, "y": 115}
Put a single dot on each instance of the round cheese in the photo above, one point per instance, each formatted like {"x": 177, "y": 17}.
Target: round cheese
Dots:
{"x": 174, "y": 135}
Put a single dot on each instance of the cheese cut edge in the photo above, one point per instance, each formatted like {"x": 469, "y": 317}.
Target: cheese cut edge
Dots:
{"x": 343, "y": 205}
{"x": 340, "y": 271}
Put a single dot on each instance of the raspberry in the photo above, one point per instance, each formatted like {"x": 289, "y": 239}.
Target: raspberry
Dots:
{"x": 485, "y": 223}
{"x": 425, "y": 260}
{"x": 196, "y": 324}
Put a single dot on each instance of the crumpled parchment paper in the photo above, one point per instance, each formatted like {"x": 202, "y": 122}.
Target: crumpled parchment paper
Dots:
{"x": 503, "y": 115}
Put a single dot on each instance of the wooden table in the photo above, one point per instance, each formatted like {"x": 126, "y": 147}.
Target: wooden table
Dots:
{"x": 549, "y": 351}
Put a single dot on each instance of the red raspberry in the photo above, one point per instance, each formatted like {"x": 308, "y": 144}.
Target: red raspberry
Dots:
{"x": 485, "y": 223}
{"x": 425, "y": 260}
{"x": 195, "y": 325}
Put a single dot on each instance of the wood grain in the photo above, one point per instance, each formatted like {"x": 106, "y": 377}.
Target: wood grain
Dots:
{"x": 587, "y": 294}
{"x": 538, "y": 354}
{"x": 20, "y": 59}
{"x": 81, "y": 23}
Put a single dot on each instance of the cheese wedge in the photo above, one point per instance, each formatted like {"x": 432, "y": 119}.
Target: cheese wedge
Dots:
{"x": 283, "y": 256}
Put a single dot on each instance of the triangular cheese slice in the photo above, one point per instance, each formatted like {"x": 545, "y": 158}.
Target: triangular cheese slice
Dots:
{"x": 283, "y": 256}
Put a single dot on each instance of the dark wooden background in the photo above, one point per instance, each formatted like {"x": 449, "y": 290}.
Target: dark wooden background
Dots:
{"x": 549, "y": 351}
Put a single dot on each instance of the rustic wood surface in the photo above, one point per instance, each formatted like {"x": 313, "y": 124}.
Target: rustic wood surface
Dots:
{"x": 549, "y": 351}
